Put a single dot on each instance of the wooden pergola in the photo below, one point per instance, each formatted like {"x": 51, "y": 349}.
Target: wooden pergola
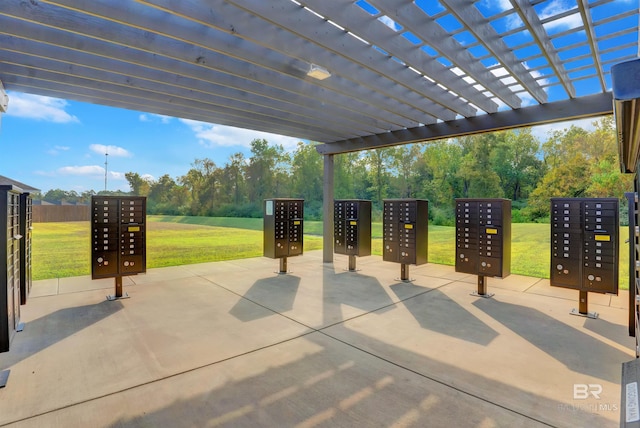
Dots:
{"x": 352, "y": 75}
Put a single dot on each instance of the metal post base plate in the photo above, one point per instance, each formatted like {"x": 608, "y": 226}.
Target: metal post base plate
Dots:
{"x": 486, "y": 296}
{"x": 404, "y": 280}
{"x": 592, "y": 315}
{"x": 4, "y": 376}
{"x": 114, "y": 297}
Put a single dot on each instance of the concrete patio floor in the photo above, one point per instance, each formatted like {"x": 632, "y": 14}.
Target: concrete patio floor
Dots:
{"x": 236, "y": 344}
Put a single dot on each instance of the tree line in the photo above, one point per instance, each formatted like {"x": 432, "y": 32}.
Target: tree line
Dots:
{"x": 511, "y": 164}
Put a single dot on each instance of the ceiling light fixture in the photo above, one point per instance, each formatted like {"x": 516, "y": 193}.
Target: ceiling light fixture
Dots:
{"x": 318, "y": 72}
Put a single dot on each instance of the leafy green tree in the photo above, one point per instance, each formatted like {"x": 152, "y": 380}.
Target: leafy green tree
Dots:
{"x": 438, "y": 172}
{"x": 233, "y": 187}
{"x": 265, "y": 172}
{"x": 202, "y": 184}
{"x": 139, "y": 185}
{"x": 403, "y": 182}
{"x": 307, "y": 172}
{"x": 378, "y": 163}
{"x": 166, "y": 197}
{"x": 476, "y": 170}
{"x": 579, "y": 163}
{"x": 515, "y": 160}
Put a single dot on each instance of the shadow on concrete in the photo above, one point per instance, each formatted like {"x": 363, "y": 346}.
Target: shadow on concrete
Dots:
{"x": 53, "y": 328}
{"x": 550, "y": 335}
{"x": 276, "y": 293}
{"x": 352, "y": 289}
{"x": 435, "y": 311}
{"x": 339, "y": 385}
{"x": 604, "y": 328}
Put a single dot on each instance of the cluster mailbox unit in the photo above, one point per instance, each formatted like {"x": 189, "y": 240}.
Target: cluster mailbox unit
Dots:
{"x": 483, "y": 239}
{"x": 26, "y": 230}
{"x": 584, "y": 247}
{"x": 283, "y": 229}
{"x": 352, "y": 229}
{"x": 118, "y": 230}
{"x": 405, "y": 233}
{"x": 9, "y": 264}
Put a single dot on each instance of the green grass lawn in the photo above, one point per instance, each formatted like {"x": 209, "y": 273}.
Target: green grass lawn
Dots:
{"x": 63, "y": 249}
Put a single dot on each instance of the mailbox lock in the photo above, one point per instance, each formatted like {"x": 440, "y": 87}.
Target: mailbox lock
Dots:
{"x": 559, "y": 267}
{"x": 100, "y": 259}
{"x": 591, "y": 277}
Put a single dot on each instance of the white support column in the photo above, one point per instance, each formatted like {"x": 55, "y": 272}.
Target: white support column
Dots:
{"x": 327, "y": 210}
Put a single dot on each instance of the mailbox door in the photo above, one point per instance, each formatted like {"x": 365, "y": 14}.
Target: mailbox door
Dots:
{"x": 118, "y": 228}
{"x": 9, "y": 264}
{"x": 584, "y": 244}
{"x": 390, "y": 232}
{"x": 405, "y": 231}
{"x": 339, "y": 245}
{"x": 483, "y": 236}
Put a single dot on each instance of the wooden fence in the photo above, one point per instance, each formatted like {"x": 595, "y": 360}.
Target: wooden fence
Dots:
{"x": 56, "y": 213}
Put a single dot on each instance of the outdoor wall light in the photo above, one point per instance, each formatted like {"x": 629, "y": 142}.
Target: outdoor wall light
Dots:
{"x": 318, "y": 72}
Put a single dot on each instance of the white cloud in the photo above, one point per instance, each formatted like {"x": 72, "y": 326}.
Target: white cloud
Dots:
{"x": 542, "y": 132}
{"x": 90, "y": 171}
{"x": 38, "y": 107}
{"x": 551, "y": 8}
{"x": 212, "y": 136}
{"x": 86, "y": 170}
{"x": 556, "y": 7}
{"x": 57, "y": 149}
{"x": 389, "y": 23}
{"x": 150, "y": 117}
{"x": 101, "y": 149}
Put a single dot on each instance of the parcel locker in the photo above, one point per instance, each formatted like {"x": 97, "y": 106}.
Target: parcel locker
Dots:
{"x": 483, "y": 237}
{"x": 584, "y": 244}
{"x": 405, "y": 224}
{"x": 118, "y": 236}
{"x": 352, "y": 227}
{"x": 9, "y": 264}
{"x": 283, "y": 227}
{"x": 26, "y": 230}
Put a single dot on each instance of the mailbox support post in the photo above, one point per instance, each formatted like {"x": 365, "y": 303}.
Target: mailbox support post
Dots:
{"x": 352, "y": 263}
{"x": 482, "y": 288}
{"x": 404, "y": 272}
{"x": 283, "y": 265}
{"x": 118, "y": 295}
{"x": 583, "y": 306}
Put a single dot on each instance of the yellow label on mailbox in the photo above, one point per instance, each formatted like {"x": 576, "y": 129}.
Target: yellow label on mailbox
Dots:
{"x": 492, "y": 231}
{"x": 353, "y": 223}
{"x": 296, "y": 222}
{"x": 408, "y": 226}
{"x": 133, "y": 229}
{"x": 603, "y": 238}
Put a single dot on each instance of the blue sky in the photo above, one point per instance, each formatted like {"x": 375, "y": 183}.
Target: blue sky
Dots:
{"x": 50, "y": 143}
